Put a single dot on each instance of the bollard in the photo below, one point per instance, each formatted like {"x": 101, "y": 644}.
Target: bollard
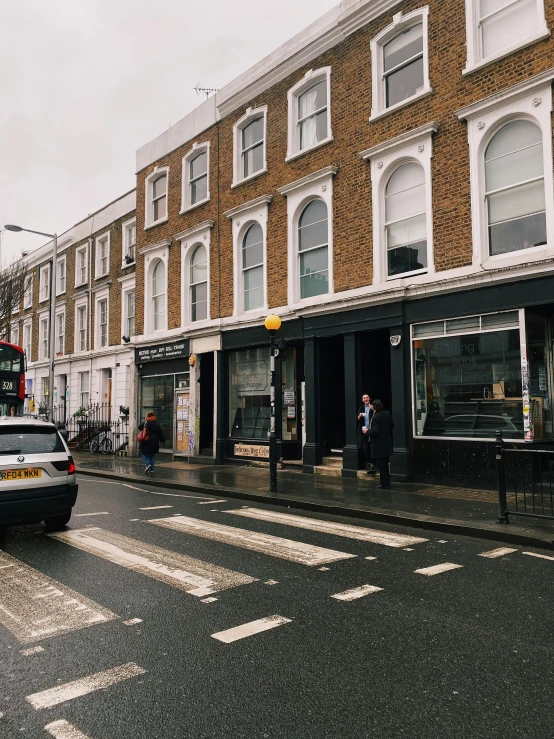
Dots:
{"x": 501, "y": 479}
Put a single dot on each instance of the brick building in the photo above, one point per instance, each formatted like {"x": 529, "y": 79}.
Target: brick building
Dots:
{"x": 383, "y": 182}
{"x": 94, "y": 288}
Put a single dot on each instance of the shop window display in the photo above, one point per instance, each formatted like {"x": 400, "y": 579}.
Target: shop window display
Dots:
{"x": 249, "y": 394}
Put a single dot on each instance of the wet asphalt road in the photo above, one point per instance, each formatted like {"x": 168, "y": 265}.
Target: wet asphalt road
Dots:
{"x": 464, "y": 653}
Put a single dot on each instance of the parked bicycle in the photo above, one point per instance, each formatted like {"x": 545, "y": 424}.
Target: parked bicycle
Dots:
{"x": 101, "y": 443}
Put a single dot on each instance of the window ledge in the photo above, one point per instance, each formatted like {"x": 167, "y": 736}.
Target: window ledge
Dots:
{"x": 192, "y": 207}
{"x": 249, "y": 178}
{"x": 544, "y": 33}
{"x": 296, "y": 154}
{"x": 322, "y": 299}
{"x": 60, "y": 293}
{"x": 156, "y": 223}
{"x": 412, "y": 99}
{"x": 101, "y": 277}
{"x": 81, "y": 284}
{"x": 517, "y": 258}
{"x": 413, "y": 273}
{"x": 43, "y": 300}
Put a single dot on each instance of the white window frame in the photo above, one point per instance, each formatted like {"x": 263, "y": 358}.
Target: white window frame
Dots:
{"x": 127, "y": 286}
{"x": 14, "y": 333}
{"x": 28, "y": 292}
{"x": 61, "y": 280}
{"x": 100, "y": 240}
{"x": 80, "y": 250}
{"x": 414, "y": 146}
{"x": 242, "y": 218}
{"x": 250, "y": 115}
{"x": 530, "y": 100}
{"x": 125, "y": 228}
{"x": 77, "y": 330}
{"x": 149, "y": 204}
{"x": 153, "y": 254}
{"x": 82, "y": 392}
{"x": 400, "y": 22}
{"x": 101, "y": 296}
{"x": 197, "y": 148}
{"x": 318, "y": 185}
{"x": 44, "y": 283}
{"x": 60, "y": 345}
{"x": 311, "y": 78}
{"x": 28, "y": 345}
{"x": 475, "y": 58}
{"x": 43, "y": 345}
{"x": 189, "y": 239}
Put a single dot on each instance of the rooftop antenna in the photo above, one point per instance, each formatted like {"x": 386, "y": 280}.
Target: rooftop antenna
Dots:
{"x": 206, "y": 90}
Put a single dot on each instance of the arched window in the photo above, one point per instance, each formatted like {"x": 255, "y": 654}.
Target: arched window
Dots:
{"x": 403, "y": 65}
{"x": 313, "y": 249}
{"x": 405, "y": 220}
{"x": 514, "y": 184}
{"x": 158, "y": 295}
{"x": 253, "y": 267}
{"x": 199, "y": 284}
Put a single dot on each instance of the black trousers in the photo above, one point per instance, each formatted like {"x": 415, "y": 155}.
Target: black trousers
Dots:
{"x": 366, "y": 448}
{"x": 384, "y": 474}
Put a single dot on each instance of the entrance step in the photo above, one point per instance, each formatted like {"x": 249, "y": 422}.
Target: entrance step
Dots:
{"x": 330, "y": 471}
{"x": 332, "y": 462}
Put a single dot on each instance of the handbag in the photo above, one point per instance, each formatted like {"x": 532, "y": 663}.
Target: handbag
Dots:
{"x": 143, "y": 435}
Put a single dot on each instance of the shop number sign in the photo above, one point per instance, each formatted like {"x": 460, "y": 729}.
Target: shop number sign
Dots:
{"x": 251, "y": 378}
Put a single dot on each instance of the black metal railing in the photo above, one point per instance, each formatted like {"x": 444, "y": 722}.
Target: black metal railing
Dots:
{"x": 92, "y": 428}
{"x": 525, "y": 481}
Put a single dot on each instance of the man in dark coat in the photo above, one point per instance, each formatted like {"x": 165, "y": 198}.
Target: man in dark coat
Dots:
{"x": 365, "y": 412}
{"x": 380, "y": 431}
{"x": 151, "y": 446}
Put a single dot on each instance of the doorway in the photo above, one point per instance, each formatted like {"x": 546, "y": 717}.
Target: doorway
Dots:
{"x": 206, "y": 382}
{"x": 331, "y": 388}
{"x": 106, "y": 394}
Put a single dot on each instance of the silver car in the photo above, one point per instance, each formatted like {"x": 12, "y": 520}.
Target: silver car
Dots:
{"x": 37, "y": 474}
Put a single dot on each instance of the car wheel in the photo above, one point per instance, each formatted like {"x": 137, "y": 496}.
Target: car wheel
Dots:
{"x": 57, "y": 522}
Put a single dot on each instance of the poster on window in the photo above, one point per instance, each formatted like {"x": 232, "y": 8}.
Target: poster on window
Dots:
{"x": 182, "y": 421}
{"x": 251, "y": 377}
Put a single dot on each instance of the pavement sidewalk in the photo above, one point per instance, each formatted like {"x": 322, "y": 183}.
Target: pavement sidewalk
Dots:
{"x": 441, "y": 508}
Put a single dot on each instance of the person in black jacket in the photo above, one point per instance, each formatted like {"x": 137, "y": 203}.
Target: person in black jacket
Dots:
{"x": 365, "y": 412}
{"x": 149, "y": 448}
{"x": 380, "y": 431}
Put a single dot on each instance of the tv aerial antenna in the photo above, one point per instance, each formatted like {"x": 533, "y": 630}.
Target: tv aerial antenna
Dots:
{"x": 207, "y": 91}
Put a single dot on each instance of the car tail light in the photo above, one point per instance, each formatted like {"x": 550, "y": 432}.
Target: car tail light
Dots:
{"x": 72, "y": 469}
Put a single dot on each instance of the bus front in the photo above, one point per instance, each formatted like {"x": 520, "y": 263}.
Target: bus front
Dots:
{"x": 12, "y": 379}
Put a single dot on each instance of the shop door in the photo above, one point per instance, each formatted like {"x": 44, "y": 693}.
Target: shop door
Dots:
{"x": 207, "y": 404}
{"x": 183, "y": 439}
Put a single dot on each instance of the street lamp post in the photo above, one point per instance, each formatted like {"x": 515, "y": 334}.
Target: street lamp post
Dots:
{"x": 51, "y": 348}
{"x": 272, "y": 324}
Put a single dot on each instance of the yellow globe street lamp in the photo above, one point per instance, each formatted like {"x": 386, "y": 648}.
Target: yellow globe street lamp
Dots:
{"x": 272, "y": 324}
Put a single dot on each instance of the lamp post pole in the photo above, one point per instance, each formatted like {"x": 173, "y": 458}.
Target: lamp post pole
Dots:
{"x": 272, "y": 324}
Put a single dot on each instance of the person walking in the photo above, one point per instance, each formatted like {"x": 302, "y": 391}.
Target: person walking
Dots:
{"x": 150, "y": 445}
{"x": 380, "y": 432}
{"x": 365, "y": 413}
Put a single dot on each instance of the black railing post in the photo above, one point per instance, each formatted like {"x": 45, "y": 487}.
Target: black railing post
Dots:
{"x": 501, "y": 479}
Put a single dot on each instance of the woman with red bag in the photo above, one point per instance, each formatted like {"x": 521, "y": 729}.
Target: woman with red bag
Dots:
{"x": 149, "y": 438}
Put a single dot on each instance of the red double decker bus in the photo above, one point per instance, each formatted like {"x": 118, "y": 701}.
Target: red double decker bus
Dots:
{"x": 12, "y": 379}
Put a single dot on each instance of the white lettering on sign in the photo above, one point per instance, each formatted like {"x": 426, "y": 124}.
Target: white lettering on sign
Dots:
{"x": 251, "y": 450}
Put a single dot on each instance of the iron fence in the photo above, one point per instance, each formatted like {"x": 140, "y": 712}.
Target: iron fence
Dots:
{"x": 92, "y": 428}
{"x": 525, "y": 479}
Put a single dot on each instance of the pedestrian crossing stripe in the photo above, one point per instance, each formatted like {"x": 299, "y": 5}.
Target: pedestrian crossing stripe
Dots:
{"x": 191, "y": 575}
{"x": 249, "y": 629}
{"x": 275, "y": 546}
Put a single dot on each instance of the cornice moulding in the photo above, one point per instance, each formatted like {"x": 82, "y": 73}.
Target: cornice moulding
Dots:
{"x": 308, "y": 180}
{"x": 262, "y": 200}
{"x": 152, "y": 247}
{"x": 194, "y": 230}
{"x": 398, "y": 142}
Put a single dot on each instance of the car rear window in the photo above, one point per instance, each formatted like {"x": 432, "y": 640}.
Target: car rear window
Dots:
{"x": 29, "y": 440}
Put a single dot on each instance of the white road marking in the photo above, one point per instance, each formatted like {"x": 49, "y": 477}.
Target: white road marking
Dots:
{"x": 254, "y": 627}
{"x": 191, "y": 575}
{"x": 83, "y": 686}
{"x": 271, "y": 582}
{"x": 293, "y": 551}
{"x": 370, "y": 558}
{"x": 31, "y": 650}
{"x": 355, "y": 593}
{"x": 134, "y": 519}
{"x": 360, "y": 533}
{"x": 540, "y": 556}
{"x": 34, "y": 607}
{"x": 210, "y": 502}
{"x": 497, "y": 552}
{"x": 407, "y": 549}
{"x": 437, "y": 569}
{"x": 64, "y": 730}
{"x": 208, "y": 600}
{"x": 82, "y": 515}
{"x": 155, "y": 507}
{"x": 324, "y": 569}
{"x": 133, "y": 621}
{"x": 443, "y": 541}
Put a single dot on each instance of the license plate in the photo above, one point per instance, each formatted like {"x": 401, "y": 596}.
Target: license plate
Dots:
{"x": 28, "y": 474}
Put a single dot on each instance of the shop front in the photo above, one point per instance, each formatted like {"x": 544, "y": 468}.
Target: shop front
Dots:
{"x": 164, "y": 388}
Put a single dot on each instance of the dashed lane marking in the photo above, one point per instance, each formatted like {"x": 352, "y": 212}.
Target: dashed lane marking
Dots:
{"x": 437, "y": 569}
{"x": 132, "y": 621}
{"x": 31, "y": 650}
{"x": 249, "y": 629}
{"x": 360, "y": 533}
{"x": 34, "y": 607}
{"x": 155, "y": 507}
{"x": 82, "y": 515}
{"x": 64, "y": 730}
{"x": 274, "y": 546}
{"x": 501, "y": 552}
{"x": 540, "y": 556}
{"x": 208, "y": 600}
{"x": 211, "y": 502}
{"x": 356, "y": 593}
{"x": 83, "y": 686}
{"x": 191, "y": 575}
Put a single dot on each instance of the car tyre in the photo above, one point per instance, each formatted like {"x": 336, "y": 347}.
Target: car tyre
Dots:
{"x": 57, "y": 523}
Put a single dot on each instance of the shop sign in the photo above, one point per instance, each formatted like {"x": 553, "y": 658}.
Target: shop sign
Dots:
{"x": 157, "y": 352}
{"x": 251, "y": 378}
{"x": 251, "y": 450}
{"x": 289, "y": 397}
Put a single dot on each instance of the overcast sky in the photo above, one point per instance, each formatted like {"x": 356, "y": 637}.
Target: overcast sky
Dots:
{"x": 85, "y": 83}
